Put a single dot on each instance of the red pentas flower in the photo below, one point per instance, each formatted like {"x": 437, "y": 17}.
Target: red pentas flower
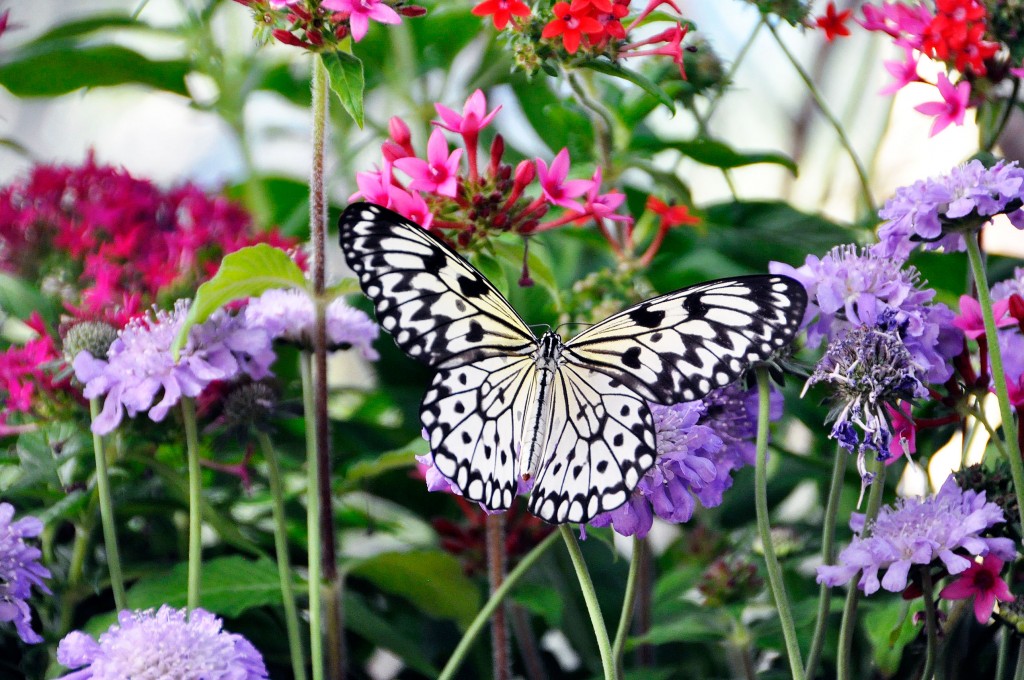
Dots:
{"x": 502, "y": 11}
{"x": 571, "y": 25}
{"x": 833, "y": 22}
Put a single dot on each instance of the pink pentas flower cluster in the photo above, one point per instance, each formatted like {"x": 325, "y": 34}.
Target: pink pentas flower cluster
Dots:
{"x": 952, "y": 32}
{"x": 324, "y": 24}
{"x": 586, "y": 28}
{"x": 24, "y": 375}
{"x": 98, "y": 236}
{"x": 461, "y": 196}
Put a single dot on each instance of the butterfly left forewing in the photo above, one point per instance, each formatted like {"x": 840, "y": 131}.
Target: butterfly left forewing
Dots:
{"x": 680, "y": 346}
{"x": 601, "y": 441}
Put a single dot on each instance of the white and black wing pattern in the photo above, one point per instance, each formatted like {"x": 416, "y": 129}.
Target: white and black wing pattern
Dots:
{"x": 437, "y": 306}
{"x": 472, "y": 415}
{"x": 682, "y": 345}
{"x": 601, "y": 441}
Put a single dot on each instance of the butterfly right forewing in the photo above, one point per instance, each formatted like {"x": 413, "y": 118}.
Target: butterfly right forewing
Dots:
{"x": 438, "y": 307}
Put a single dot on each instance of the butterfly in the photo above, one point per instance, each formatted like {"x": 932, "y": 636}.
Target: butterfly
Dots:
{"x": 572, "y": 416}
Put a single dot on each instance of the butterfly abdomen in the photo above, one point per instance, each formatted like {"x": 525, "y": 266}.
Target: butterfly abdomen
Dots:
{"x": 537, "y": 421}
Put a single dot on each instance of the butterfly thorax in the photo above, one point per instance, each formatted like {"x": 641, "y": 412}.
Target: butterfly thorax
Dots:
{"x": 537, "y": 422}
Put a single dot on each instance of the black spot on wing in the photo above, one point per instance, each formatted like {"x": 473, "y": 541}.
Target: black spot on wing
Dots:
{"x": 472, "y": 287}
{"x": 647, "y": 317}
{"x": 631, "y": 357}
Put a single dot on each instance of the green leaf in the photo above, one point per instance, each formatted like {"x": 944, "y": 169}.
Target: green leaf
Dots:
{"x": 242, "y": 274}
{"x": 715, "y": 153}
{"x": 368, "y": 624}
{"x": 38, "y": 462}
{"x": 230, "y": 586}
{"x": 346, "y": 76}
{"x": 431, "y": 580}
{"x": 57, "y": 68}
{"x": 18, "y": 298}
{"x": 641, "y": 81}
{"x": 890, "y": 627}
{"x": 386, "y": 462}
{"x": 88, "y": 25}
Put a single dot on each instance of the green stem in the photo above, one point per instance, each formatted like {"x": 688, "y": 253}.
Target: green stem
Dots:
{"x": 862, "y": 175}
{"x": 604, "y": 646}
{"x": 828, "y": 554}
{"x": 484, "y": 615}
{"x": 107, "y": 514}
{"x": 76, "y": 571}
{"x": 1003, "y": 657}
{"x": 1004, "y": 118}
{"x": 930, "y": 625}
{"x": 1019, "y": 673}
{"x": 628, "y": 604}
{"x": 291, "y": 616}
{"x": 998, "y": 376}
{"x": 979, "y": 415}
{"x": 776, "y": 585}
{"x": 316, "y": 648}
{"x": 600, "y": 118}
{"x": 195, "y": 500}
{"x": 849, "y": 623}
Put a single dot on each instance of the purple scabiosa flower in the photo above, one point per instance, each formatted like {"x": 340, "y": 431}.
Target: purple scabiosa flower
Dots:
{"x": 19, "y": 571}
{"x": 289, "y": 315}
{"x": 854, "y": 287}
{"x": 700, "y": 444}
{"x": 867, "y": 367}
{"x": 1011, "y": 286}
{"x": 937, "y": 212}
{"x": 167, "y": 643}
{"x": 139, "y": 364}
{"x": 919, "y": 531}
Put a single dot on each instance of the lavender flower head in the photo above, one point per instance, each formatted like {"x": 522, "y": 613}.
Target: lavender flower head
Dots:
{"x": 867, "y": 367}
{"x": 937, "y": 212}
{"x": 168, "y": 643}
{"x": 850, "y": 287}
{"x": 289, "y": 315}
{"x": 699, "y": 444}
{"x": 140, "y": 366}
{"x": 919, "y": 531}
{"x": 19, "y": 571}
{"x": 1011, "y": 286}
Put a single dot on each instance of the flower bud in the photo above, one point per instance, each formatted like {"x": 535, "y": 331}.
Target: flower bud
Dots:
{"x": 412, "y": 11}
{"x": 392, "y": 152}
{"x": 250, "y": 405}
{"x": 94, "y": 337}
{"x": 497, "y": 151}
{"x": 315, "y": 37}
{"x": 287, "y": 38}
{"x": 399, "y": 131}
{"x": 525, "y": 172}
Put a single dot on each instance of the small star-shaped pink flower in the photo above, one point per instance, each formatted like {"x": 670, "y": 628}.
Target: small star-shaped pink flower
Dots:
{"x": 604, "y": 205}
{"x": 439, "y": 173}
{"x": 971, "y": 322}
{"x": 904, "y": 72}
{"x": 951, "y": 109}
{"x": 360, "y": 12}
{"x": 474, "y": 115}
{"x": 982, "y": 582}
{"x": 554, "y": 185}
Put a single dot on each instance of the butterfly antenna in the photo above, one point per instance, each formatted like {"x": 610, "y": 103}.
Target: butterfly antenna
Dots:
{"x": 573, "y": 323}
{"x": 546, "y": 326}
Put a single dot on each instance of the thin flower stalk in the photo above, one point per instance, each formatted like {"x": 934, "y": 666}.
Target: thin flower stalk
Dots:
{"x": 930, "y": 624}
{"x": 1019, "y": 673}
{"x": 849, "y": 621}
{"x": 776, "y": 584}
{"x": 828, "y": 555}
{"x": 998, "y": 375}
{"x": 858, "y": 166}
{"x": 604, "y": 645}
{"x": 628, "y": 603}
{"x": 500, "y": 650}
{"x": 107, "y": 514}
{"x": 497, "y": 597}
{"x": 315, "y": 575}
{"x": 195, "y": 501}
{"x": 291, "y": 616}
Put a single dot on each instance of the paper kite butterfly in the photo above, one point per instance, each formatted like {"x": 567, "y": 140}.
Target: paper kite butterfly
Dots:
{"x": 574, "y": 415}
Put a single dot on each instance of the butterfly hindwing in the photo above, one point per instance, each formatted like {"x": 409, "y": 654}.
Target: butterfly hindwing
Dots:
{"x": 472, "y": 416}
{"x": 601, "y": 441}
{"x": 437, "y": 306}
{"x": 680, "y": 346}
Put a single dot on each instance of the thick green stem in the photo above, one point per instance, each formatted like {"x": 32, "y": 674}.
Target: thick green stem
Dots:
{"x": 195, "y": 502}
{"x": 1019, "y": 673}
{"x": 998, "y": 376}
{"x": 862, "y": 174}
{"x": 604, "y": 646}
{"x": 1003, "y": 655}
{"x": 930, "y": 624}
{"x": 628, "y": 604}
{"x": 484, "y": 615}
{"x": 284, "y": 571}
{"x": 849, "y": 623}
{"x": 316, "y": 646}
{"x": 107, "y": 514}
{"x": 776, "y": 585}
{"x": 828, "y": 555}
